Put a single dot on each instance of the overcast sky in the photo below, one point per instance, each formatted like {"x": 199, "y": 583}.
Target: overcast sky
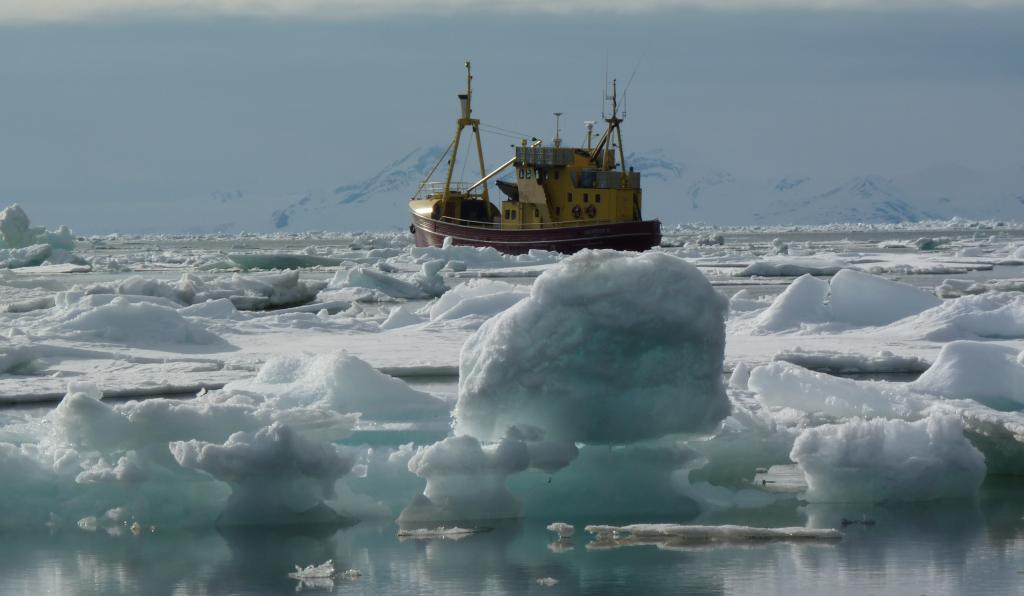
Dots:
{"x": 117, "y": 101}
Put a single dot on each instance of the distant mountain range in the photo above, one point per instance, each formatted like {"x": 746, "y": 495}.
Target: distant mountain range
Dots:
{"x": 674, "y": 191}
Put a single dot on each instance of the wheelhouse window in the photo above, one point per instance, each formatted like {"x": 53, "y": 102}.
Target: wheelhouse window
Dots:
{"x": 586, "y": 198}
{"x": 570, "y": 197}
{"x": 597, "y": 198}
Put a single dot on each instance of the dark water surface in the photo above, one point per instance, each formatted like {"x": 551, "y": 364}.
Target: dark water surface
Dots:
{"x": 941, "y": 548}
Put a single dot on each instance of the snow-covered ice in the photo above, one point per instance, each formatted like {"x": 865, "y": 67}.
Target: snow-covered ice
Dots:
{"x": 329, "y": 394}
{"x": 586, "y": 348}
{"x": 889, "y": 460}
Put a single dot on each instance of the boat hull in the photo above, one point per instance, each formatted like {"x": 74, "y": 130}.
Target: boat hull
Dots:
{"x": 633, "y": 235}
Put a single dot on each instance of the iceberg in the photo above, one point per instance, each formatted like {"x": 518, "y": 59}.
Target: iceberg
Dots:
{"x": 608, "y": 348}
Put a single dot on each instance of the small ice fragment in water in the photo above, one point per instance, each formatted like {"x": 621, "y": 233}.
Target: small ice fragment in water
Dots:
{"x": 547, "y": 581}
{"x": 321, "y": 571}
{"x": 562, "y": 529}
{"x": 352, "y": 574}
{"x": 88, "y": 523}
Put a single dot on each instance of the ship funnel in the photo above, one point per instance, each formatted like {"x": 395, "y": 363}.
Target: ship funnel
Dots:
{"x": 464, "y": 105}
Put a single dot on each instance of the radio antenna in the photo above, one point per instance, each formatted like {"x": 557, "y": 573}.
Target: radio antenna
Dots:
{"x": 625, "y": 93}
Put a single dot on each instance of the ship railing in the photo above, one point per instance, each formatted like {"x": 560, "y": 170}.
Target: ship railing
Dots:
{"x": 540, "y": 225}
{"x": 436, "y": 187}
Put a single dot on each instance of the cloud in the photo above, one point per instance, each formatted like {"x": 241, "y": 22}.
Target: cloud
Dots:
{"x": 43, "y": 11}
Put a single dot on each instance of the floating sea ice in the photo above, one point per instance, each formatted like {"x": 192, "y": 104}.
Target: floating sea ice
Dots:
{"x": 850, "y": 298}
{"x": 323, "y": 570}
{"x": 17, "y": 232}
{"x": 863, "y": 299}
{"x": 277, "y": 476}
{"x": 745, "y": 301}
{"x": 133, "y": 323}
{"x": 428, "y": 283}
{"x": 562, "y": 529}
{"x": 604, "y": 336}
{"x": 889, "y": 460}
{"x": 991, "y": 374}
{"x": 481, "y": 298}
{"x": 803, "y": 301}
{"x": 995, "y": 315}
{"x": 343, "y": 382}
{"x": 483, "y": 257}
{"x": 400, "y": 317}
{"x": 786, "y": 266}
{"x": 740, "y": 376}
{"x": 782, "y": 385}
{"x": 467, "y": 480}
{"x": 547, "y": 582}
{"x": 955, "y": 288}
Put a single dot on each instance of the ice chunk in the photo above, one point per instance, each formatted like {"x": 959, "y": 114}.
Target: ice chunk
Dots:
{"x": 608, "y": 348}
{"x": 345, "y": 383}
{"x": 803, "y": 301}
{"x": 995, "y": 315}
{"x": 138, "y": 323}
{"x": 17, "y": 232}
{"x": 955, "y": 288}
{"x": 786, "y": 266}
{"x": 29, "y": 256}
{"x": 781, "y": 384}
{"x": 467, "y": 480}
{"x": 428, "y": 283}
{"x": 483, "y": 257}
{"x": 562, "y": 529}
{"x": 851, "y": 298}
{"x": 321, "y": 571}
{"x": 889, "y": 460}
{"x": 477, "y": 297}
{"x": 863, "y": 299}
{"x": 276, "y": 475}
{"x": 744, "y": 301}
{"x": 987, "y": 373}
{"x": 400, "y": 317}
{"x": 740, "y": 376}
{"x": 281, "y": 260}
{"x": 547, "y": 582}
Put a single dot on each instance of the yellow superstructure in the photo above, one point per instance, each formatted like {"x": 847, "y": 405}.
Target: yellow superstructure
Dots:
{"x": 554, "y": 186}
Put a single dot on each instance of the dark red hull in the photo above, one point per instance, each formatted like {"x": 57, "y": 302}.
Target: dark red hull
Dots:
{"x": 634, "y": 235}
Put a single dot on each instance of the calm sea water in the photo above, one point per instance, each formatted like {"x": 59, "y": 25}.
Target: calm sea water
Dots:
{"x": 941, "y": 548}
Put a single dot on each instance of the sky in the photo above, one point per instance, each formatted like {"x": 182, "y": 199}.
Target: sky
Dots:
{"x": 113, "y": 104}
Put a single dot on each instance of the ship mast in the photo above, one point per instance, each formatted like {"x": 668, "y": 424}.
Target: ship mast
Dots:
{"x": 465, "y": 104}
{"x": 607, "y": 159}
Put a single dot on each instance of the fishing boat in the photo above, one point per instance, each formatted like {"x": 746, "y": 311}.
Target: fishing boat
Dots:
{"x": 561, "y": 198}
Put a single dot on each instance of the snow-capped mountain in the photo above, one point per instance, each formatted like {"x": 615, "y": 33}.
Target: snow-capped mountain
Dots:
{"x": 378, "y": 199}
{"x": 674, "y": 191}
